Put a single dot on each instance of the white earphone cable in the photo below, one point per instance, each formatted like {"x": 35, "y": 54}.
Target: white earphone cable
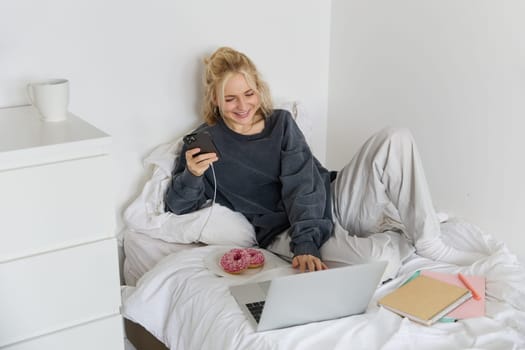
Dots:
{"x": 211, "y": 206}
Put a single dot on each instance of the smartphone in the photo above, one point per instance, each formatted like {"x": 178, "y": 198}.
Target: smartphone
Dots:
{"x": 201, "y": 140}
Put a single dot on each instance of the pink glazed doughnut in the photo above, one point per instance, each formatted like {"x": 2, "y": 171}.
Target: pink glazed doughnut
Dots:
{"x": 256, "y": 258}
{"x": 235, "y": 261}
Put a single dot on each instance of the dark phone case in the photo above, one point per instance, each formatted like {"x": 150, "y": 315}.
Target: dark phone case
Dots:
{"x": 201, "y": 140}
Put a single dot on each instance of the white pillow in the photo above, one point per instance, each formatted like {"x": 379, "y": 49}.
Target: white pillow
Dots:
{"x": 224, "y": 227}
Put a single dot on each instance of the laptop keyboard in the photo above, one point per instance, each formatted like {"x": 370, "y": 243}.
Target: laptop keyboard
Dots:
{"x": 256, "y": 309}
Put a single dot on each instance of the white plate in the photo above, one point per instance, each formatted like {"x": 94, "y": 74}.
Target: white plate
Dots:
{"x": 212, "y": 263}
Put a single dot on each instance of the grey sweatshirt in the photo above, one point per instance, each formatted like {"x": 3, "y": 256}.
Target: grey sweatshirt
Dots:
{"x": 271, "y": 177}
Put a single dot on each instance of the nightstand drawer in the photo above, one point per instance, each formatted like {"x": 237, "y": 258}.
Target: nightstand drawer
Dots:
{"x": 49, "y": 292}
{"x": 55, "y": 205}
{"x": 106, "y": 334}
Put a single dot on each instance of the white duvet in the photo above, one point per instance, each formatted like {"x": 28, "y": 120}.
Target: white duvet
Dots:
{"x": 187, "y": 306}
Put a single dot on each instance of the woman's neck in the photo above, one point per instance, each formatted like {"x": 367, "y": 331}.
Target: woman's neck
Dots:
{"x": 250, "y": 129}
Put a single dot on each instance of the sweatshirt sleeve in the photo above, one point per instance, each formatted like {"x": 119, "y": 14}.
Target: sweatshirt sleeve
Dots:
{"x": 185, "y": 192}
{"x": 304, "y": 192}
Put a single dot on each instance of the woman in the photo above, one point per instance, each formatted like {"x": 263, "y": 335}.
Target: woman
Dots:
{"x": 377, "y": 208}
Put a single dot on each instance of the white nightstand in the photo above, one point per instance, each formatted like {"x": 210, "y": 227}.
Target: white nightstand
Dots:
{"x": 59, "y": 279}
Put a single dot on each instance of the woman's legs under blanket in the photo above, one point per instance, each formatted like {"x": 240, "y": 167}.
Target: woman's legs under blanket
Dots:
{"x": 382, "y": 190}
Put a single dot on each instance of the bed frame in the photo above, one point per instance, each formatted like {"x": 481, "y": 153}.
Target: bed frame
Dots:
{"x": 141, "y": 338}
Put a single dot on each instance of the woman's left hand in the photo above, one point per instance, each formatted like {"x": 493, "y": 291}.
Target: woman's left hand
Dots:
{"x": 310, "y": 262}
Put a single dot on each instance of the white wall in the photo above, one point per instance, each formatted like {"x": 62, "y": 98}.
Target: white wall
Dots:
{"x": 453, "y": 71}
{"x": 135, "y": 66}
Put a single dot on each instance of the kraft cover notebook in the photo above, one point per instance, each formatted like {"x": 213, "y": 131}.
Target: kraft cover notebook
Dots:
{"x": 472, "y": 307}
{"x": 425, "y": 300}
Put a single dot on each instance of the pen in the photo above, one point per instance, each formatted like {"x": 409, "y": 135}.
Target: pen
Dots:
{"x": 467, "y": 284}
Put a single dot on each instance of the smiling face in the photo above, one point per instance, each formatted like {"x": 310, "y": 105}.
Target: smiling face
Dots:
{"x": 240, "y": 104}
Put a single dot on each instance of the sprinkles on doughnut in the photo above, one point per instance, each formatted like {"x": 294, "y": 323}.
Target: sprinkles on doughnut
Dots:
{"x": 256, "y": 258}
{"x": 235, "y": 261}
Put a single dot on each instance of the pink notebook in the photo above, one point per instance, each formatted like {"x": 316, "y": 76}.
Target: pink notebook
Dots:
{"x": 470, "y": 308}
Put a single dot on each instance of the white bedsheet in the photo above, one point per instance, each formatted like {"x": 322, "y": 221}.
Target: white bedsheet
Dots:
{"x": 143, "y": 252}
{"x": 188, "y": 307}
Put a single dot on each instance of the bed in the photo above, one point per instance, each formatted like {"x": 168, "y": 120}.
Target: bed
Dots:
{"x": 185, "y": 305}
{"x": 174, "y": 298}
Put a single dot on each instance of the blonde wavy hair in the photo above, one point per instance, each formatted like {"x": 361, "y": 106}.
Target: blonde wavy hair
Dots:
{"x": 220, "y": 66}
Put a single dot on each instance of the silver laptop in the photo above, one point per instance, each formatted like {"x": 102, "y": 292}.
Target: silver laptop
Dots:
{"x": 309, "y": 297}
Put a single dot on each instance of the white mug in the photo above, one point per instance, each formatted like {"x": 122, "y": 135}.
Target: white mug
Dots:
{"x": 50, "y": 98}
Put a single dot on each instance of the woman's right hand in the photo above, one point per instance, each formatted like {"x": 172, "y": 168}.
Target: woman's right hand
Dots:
{"x": 197, "y": 165}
